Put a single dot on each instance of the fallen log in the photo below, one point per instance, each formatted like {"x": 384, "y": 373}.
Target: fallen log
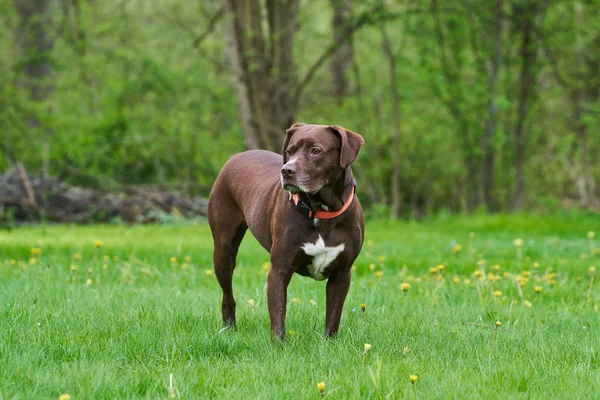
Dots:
{"x": 25, "y": 198}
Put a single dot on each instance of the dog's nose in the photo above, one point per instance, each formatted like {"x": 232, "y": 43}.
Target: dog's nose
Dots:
{"x": 287, "y": 171}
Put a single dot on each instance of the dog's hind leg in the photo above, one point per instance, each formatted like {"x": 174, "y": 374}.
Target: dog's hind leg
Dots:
{"x": 227, "y": 238}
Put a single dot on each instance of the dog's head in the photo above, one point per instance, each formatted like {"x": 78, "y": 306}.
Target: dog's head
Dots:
{"x": 314, "y": 155}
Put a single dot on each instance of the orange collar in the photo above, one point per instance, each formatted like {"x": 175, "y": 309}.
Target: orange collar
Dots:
{"x": 308, "y": 212}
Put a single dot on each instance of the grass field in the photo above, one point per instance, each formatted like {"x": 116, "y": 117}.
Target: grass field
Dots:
{"x": 114, "y": 319}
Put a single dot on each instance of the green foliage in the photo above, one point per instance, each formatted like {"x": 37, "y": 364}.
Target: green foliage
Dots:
{"x": 145, "y": 315}
{"x": 134, "y": 98}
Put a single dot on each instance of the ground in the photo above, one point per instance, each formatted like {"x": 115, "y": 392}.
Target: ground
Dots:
{"x": 473, "y": 307}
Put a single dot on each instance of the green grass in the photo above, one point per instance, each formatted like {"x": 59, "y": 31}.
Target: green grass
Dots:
{"x": 144, "y": 317}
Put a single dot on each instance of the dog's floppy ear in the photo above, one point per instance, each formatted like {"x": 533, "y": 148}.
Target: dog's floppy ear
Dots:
{"x": 351, "y": 144}
{"x": 286, "y": 141}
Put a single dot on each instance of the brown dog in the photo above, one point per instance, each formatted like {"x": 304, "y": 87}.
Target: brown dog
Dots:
{"x": 316, "y": 229}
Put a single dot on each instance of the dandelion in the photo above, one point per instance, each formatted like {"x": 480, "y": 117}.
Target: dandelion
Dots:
{"x": 363, "y": 307}
{"x": 295, "y": 300}
{"x": 457, "y": 248}
{"x": 173, "y": 260}
{"x": 12, "y": 262}
{"x": 506, "y": 274}
{"x": 538, "y": 289}
{"x": 381, "y": 259}
{"x": 64, "y": 396}
{"x": 292, "y": 332}
{"x": 406, "y": 349}
{"x": 367, "y": 348}
{"x": 36, "y": 251}
{"x": 592, "y": 269}
{"x": 188, "y": 259}
{"x": 251, "y": 304}
{"x": 372, "y": 267}
{"x": 266, "y": 266}
{"x": 321, "y": 387}
{"x": 413, "y": 378}
{"x": 312, "y": 302}
{"x": 441, "y": 267}
{"x": 379, "y": 274}
{"x": 591, "y": 235}
{"x": 405, "y": 286}
{"x": 498, "y": 324}
{"x": 98, "y": 243}
{"x": 33, "y": 261}
{"x": 73, "y": 268}
{"x": 456, "y": 279}
{"x": 467, "y": 281}
{"x": 88, "y": 282}
{"x": 536, "y": 265}
{"x": 526, "y": 274}
{"x": 106, "y": 258}
{"x": 77, "y": 256}
{"x": 527, "y": 303}
{"x": 105, "y": 267}
{"x": 497, "y": 293}
{"x": 208, "y": 272}
{"x": 518, "y": 242}
{"x": 496, "y": 267}
{"x": 90, "y": 270}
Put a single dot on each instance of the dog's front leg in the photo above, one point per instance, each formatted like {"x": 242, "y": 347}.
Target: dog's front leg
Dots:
{"x": 337, "y": 289}
{"x": 277, "y": 283}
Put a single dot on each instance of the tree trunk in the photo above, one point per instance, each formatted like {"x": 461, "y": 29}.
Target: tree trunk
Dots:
{"x": 37, "y": 45}
{"x": 494, "y": 63}
{"x": 395, "y": 151}
{"x": 342, "y": 59}
{"x": 525, "y": 15}
{"x": 263, "y": 68}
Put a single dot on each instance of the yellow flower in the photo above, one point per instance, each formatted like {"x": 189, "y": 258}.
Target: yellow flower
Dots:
{"x": 496, "y": 267}
{"x": 379, "y": 274}
{"x": 251, "y": 304}
{"x": 372, "y": 267}
{"x": 208, "y": 272}
{"x": 457, "y": 248}
{"x": 88, "y": 282}
{"x": 592, "y": 269}
{"x": 321, "y": 386}
{"x": 405, "y": 286}
{"x": 367, "y": 347}
{"x": 406, "y": 349}
{"x": 506, "y": 274}
{"x": 295, "y": 300}
{"x": 538, "y": 289}
{"x": 518, "y": 242}
{"x": 77, "y": 256}
{"x": 90, "y": 270}
{"x": 498, "y": 324}
{"x": 64, "y": 396}
{"x": 105, "y": 267}
{"x": 456, "y": 279}
{"x": 188, "y": 258}
{"x": 467, "y": 281}
{"x": 292, "y": 332}
{"x": 497, "y": 293}
{"x": 73, "y": 268}
{"x": 98, "y": 243}
{"x": 591, "y": 235}
{"x": 478, "y": 273}
{"x": 413, "y": 378}
{"x": 433, "y": 270}
{"x": 441, "y": 267}
{"x": 312, "y": 302}
{"x": 106, "y": 258}
{"x": 266, "y": 266}
{"x": 381, "y": 259}
{"x": 536, "y": 265}
{"x": 35, "y": 251}
{"x": 363, "y": 307}
{"x": 173, "y": 260}
{"x": 12, "y": 262}
{"x": 33, "y": 261}
{"x": 527, "y": 303}
{"x": 526, "y": 274}
{"x": 481, "y": 262}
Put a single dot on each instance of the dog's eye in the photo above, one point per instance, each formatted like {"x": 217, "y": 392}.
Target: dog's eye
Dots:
{"x": 288, "y": 152}
{"x": 315, "y": 150}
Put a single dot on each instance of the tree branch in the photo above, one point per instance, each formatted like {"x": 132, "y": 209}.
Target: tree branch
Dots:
{"x": 211, "y": 26}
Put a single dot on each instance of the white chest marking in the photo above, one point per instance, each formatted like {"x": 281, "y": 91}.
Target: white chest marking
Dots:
{"x": 322, "y": 256}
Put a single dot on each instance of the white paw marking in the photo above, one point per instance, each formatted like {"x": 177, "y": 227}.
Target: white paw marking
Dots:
{"x": 322, "y": 256}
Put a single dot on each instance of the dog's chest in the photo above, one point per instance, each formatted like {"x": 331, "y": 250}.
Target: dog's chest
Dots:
{"x": 322, "y": 256}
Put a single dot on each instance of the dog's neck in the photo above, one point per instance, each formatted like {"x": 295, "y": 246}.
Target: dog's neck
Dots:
{"x": 332, "y": 196}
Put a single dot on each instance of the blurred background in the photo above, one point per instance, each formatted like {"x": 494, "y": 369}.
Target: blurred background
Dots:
{"x": 128, "y": 109}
